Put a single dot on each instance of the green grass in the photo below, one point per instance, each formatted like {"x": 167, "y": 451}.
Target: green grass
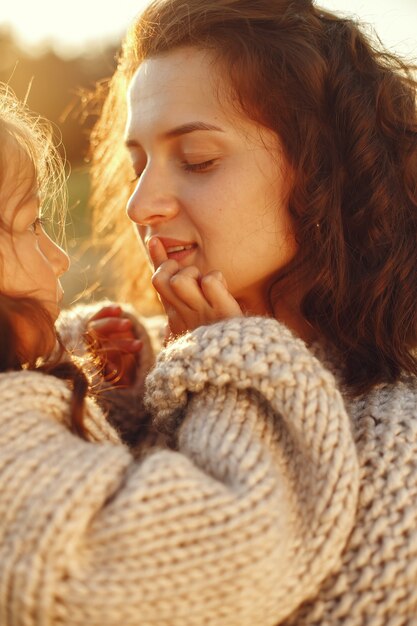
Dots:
{"x": 85, "y": 271}
{"x": 78, "y": 194}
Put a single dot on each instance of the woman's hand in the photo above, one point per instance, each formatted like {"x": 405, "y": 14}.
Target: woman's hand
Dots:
{"x": 189, "y": 299}
{"x": 113, "y": 341}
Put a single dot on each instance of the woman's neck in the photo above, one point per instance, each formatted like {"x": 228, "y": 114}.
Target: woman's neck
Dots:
{"x": 285, "y": 309}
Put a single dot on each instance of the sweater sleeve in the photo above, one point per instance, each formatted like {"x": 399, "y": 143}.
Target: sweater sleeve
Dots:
{"x": 124, "y": 406}
{"x": 236, "y": 526}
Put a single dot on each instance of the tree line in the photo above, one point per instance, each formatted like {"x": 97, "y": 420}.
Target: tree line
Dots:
{"x": 55, "y": 85}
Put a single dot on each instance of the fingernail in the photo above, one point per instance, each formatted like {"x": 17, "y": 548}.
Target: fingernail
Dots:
{"x": 152, "y": 243}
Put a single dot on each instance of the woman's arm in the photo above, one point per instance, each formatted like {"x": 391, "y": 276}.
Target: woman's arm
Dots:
{"x": 236, "y": 526}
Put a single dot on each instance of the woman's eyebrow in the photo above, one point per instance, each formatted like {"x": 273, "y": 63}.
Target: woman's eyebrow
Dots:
{"x": 184, "y": 129}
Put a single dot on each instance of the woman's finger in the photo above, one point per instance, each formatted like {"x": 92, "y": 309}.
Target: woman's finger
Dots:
{"x": 171, "y": 304}
{"x": 181, "y": 296}
{"x": 185, "y": 286}
{"x": 214, "y": 288}
{"x": 161, "y": 281}
{"x": 157, "y": 252}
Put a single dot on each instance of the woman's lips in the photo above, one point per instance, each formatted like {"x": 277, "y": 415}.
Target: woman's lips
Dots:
{"x": 177, "y": 249}
{"x": 179, "y": 253}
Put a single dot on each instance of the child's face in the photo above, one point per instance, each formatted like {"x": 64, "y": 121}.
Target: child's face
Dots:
{"x": 209, "y": 178}
{"x": 31, "y": 263}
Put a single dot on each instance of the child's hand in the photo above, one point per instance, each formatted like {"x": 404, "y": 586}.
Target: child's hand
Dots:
{"x": 190, "y": 300}
{"x": 112, "y": 340}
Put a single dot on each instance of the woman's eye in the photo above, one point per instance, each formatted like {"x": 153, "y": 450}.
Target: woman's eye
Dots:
{"x": 199, "y": 167}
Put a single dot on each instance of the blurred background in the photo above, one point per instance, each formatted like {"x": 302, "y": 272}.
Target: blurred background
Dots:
{"x": 53, "y": 51}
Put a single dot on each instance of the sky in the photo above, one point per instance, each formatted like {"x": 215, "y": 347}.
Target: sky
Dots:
{"x": 75, "y": 26}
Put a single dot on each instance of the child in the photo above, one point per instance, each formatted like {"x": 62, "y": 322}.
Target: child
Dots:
{"x": 32, "y": 184}
{"x": 273, "y": 147}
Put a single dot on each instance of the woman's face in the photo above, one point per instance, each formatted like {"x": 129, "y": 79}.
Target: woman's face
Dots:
{"x": 211, "y": 183}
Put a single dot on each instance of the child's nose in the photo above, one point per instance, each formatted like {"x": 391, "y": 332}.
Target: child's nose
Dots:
{"x": 58, "y": 258}
{"x": 64, "y": 261}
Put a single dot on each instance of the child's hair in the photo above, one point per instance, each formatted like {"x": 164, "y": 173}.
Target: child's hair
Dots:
{"x": 345, "y": 112}
{"x": 31, "y": 138}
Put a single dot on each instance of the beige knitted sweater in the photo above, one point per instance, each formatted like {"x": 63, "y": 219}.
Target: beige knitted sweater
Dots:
{"x": 280, "y": 504}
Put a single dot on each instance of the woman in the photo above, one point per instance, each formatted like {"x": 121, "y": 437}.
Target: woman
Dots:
{"x": 275, "y": 161}
{"x": 326, "y": 243}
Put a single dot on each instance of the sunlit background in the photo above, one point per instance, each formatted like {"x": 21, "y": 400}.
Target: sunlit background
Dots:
{"x": 58, "y": 48}
{"x": 73, "y": 27}
{"x": 69, "y": 27}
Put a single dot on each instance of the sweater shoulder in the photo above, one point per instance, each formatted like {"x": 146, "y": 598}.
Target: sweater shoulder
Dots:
{"x": 387, "y": 413}
{"x": 31, "y": 392}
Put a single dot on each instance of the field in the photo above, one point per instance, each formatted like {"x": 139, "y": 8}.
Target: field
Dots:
{"x": 86, "y": 280}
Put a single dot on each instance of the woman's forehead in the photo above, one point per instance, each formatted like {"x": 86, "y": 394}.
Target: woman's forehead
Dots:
{"x": 180, "y": 88}
{"x": 181, "y": 77}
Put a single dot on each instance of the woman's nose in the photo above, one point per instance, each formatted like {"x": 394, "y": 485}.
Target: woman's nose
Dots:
{"x": 152, "y": 201}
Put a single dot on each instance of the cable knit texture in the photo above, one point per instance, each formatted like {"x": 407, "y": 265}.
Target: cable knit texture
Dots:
{"x": 280, "y": 502}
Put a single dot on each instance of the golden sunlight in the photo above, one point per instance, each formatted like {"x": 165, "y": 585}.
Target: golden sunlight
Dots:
{"x": 71, "y": 27}
{"x": 68, "y": 26}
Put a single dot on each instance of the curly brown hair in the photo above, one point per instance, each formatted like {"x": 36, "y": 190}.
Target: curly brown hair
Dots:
{"x": 345, "y": 112}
